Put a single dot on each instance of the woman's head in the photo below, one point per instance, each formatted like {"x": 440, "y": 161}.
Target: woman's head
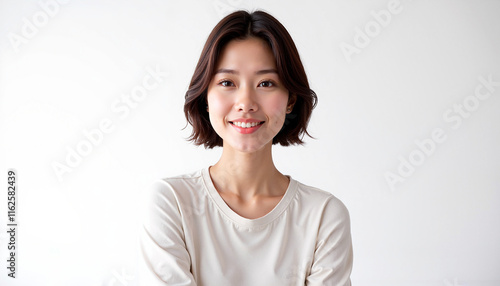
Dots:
{"x": 242, "y": 25}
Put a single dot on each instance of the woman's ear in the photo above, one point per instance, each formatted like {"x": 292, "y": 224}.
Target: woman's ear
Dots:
{"x": 292, "y": 98}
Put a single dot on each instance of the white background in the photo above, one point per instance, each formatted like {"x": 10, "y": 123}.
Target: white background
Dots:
{"x": 64, "y": 65}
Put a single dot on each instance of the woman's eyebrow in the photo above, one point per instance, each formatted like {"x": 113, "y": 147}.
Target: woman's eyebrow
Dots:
{"x": 267, "y": 71}
{"x": 230, "y": 71}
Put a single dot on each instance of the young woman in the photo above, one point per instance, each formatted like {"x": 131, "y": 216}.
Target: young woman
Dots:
{"x": 241, "y": 221}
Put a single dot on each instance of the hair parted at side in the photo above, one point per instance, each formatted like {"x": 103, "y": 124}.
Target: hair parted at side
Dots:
{"x": 241, "y": 25}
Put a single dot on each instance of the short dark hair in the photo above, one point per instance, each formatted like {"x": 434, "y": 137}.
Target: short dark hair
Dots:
{"x": 242, "y": 25}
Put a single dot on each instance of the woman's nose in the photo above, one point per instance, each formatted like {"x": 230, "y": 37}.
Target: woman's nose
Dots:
{"x": 246, "y": 101}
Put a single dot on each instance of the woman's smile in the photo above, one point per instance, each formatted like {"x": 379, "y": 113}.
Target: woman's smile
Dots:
{"x": 246, "y": 127}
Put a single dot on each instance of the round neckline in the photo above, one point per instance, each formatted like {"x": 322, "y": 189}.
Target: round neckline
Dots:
{"x": 238, "y": 219}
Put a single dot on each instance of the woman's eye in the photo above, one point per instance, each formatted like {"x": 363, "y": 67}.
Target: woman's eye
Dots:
{"x": 226, "y": 83}
{"x": 266, "y": 83}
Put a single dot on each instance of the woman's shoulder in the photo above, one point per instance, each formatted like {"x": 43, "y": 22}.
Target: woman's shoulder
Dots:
{"x": 320, "y": 199}
{"x": 175, "y": 185}
{"x": 193, "y": 175}
{"x": 173, "y": 194}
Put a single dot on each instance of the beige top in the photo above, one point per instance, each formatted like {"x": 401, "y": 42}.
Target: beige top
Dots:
{"x": 190, "y": 236}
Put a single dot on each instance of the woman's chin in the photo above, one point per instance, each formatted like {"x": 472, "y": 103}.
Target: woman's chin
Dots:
{"x": 246, "y": 147}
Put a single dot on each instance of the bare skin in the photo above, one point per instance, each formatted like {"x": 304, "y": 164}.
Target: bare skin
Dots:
{"x": 250, "y": 184}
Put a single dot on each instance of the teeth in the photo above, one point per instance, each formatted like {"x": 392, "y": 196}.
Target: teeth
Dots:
{"x": 245, "y": 125}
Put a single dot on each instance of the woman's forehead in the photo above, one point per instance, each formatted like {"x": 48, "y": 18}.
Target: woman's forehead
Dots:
{"x": 248, "y": 55}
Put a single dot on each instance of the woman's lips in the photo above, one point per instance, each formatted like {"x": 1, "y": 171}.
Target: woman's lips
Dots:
{"x": 246, "y": 130}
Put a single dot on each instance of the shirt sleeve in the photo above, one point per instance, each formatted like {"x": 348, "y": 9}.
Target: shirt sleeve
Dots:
{"x": 164, "y": 257}
{"x": 333, "y": 256}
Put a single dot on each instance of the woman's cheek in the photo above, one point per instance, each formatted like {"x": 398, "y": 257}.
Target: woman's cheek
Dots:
{"x": 217, "y": 104}
{"x": 279, "y": 118}
{"x": 279, "y": 107}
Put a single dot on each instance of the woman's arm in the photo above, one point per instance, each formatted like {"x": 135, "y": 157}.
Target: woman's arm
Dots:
{"x": 333, "y": 257}
{"x": 165, "y": 260}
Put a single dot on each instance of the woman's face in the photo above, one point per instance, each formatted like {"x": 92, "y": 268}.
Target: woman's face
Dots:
{"x": 246, "y": 90}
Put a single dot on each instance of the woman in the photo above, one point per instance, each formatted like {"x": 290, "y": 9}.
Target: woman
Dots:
{"x": 241, "y": 221}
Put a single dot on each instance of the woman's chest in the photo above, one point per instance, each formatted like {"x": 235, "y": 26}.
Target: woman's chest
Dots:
{"x": 279, "y": 253}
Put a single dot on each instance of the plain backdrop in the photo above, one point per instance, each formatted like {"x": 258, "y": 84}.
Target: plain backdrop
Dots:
{"x": 407, "y": 130}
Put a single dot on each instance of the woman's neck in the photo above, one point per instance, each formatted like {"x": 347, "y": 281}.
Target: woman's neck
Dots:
{"x": 248, "y": 175}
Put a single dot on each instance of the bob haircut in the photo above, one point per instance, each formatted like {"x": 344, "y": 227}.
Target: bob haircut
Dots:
{"x": 241, "y": 25}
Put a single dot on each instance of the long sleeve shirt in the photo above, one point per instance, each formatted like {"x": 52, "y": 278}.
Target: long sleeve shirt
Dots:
{"x": 190, "y": 236}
